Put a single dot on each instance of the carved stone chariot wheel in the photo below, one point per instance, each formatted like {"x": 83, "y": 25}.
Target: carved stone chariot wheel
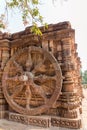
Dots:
{"x": 32, "y": 81}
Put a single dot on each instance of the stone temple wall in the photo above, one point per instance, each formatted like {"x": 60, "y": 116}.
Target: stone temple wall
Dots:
{"x": 59, "y": 41}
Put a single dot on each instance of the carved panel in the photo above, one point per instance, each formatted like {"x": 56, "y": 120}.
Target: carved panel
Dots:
{"x": 30, "y": 120}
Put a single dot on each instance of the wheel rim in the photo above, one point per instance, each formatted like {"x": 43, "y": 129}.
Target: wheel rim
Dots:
{"x": 32, "y": 81}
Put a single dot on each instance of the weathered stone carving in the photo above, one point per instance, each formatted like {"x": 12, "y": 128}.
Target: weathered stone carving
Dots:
{"x": 28, "y": 81}
{"x": 31, "y": 120}
{"x": 75, "y": 124}
{"x": 41, "y": 76}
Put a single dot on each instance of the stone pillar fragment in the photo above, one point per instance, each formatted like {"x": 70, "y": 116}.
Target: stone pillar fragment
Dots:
{"x": 4, "y": 56}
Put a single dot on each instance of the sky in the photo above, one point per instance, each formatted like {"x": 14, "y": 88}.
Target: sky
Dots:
{"x": 68, "y": 10}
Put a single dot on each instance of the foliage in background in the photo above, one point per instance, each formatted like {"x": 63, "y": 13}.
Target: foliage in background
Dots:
{"x": 84, "y": 77}
{"x": 2, "y": 21}
{"x": 29, "y": 12}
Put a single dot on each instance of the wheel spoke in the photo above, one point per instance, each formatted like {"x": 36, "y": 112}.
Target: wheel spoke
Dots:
{"x": 39, "y": 67}
{"x": 17, "y": 91}
{"x": 14, "y": 78}
{"x": 40, "y": 91}
{"x": 42, "y": 78}
{"x": 28, "y": 96}
{"x": 29, "y": 62}
{"x": 19, "y": 67}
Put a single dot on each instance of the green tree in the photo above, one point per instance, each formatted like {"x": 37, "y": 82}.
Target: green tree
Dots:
{"x": 84, "y": 77}
{"x": 29, "y": 12}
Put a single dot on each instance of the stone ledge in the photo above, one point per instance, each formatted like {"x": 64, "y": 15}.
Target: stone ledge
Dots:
{"x": 46, "y": 121}
{"x": 42, "y": 121}
{"x": 66, "y": 123}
